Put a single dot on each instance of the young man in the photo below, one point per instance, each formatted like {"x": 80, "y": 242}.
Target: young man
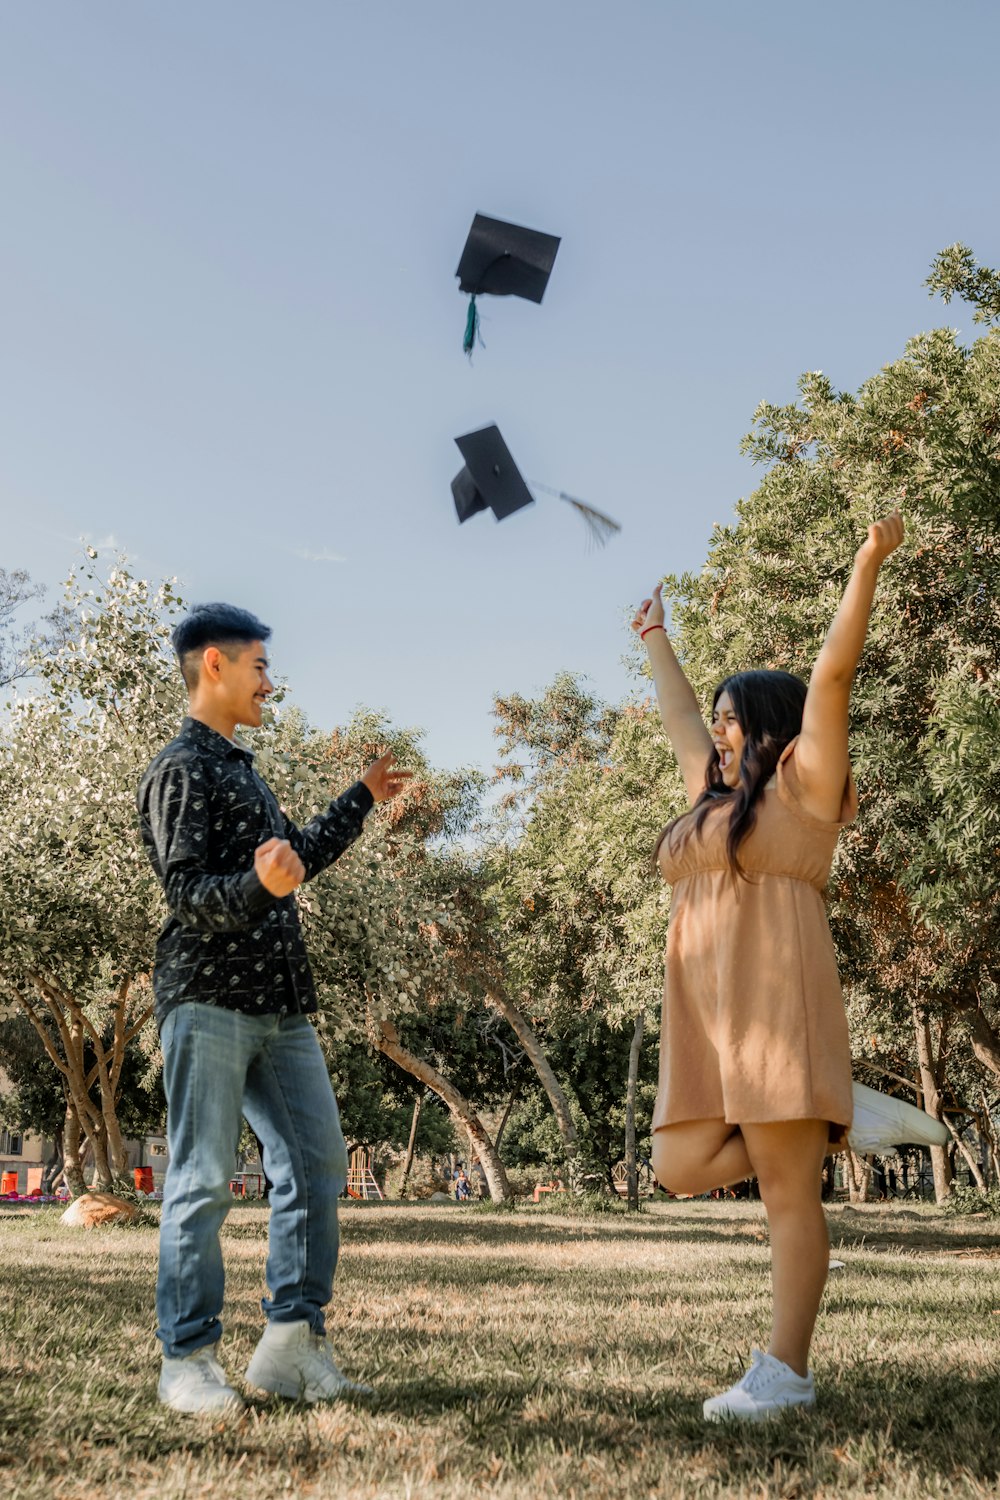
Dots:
{"x": 233, "y": 995}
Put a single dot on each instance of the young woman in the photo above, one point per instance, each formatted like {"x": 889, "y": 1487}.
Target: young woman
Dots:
{"x": 755, "y": 1065}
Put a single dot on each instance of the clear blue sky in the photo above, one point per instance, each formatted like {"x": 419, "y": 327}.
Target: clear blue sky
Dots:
{"x": 231, "y": 333}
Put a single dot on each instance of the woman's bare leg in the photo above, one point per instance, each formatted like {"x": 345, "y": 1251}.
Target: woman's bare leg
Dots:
{"x": 787, "y": 1159}
{"x": 699, "y": 1155}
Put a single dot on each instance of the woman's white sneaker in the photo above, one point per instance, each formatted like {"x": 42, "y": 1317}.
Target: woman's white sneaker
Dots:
{"x": 197, "y": 1383}
{"x": 292, "y": 1361}
{"x": 768, "y": 1386}
{"x": 882, "y": 1122}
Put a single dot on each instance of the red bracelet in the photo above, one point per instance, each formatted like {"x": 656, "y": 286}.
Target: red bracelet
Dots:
{"x": 643, "y": 633}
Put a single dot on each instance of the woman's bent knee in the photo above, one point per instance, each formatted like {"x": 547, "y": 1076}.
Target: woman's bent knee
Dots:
{"x": 686, "y": 1157}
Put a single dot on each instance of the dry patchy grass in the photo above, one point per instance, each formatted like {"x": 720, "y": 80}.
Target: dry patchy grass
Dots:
{"x": 516, "y": 1354}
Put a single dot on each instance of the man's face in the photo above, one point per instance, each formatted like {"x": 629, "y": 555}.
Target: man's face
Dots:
{"x": 245, "y": 684}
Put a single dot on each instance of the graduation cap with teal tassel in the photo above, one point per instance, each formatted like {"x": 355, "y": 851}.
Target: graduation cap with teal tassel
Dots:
{"x": 492, "y": 481}
{"x": 503, "y": 260}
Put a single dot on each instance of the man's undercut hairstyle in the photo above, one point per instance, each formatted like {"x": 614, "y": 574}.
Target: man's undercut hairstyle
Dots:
{"x": 222, "y": 625}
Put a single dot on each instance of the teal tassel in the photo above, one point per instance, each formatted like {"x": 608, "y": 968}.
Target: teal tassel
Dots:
{"x": 471, "y": 328}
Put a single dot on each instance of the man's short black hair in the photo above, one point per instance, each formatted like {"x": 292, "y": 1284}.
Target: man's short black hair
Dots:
{"x": 222, "y": 625}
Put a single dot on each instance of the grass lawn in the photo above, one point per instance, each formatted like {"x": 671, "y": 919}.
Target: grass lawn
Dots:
{"x": 516, "y": 1354}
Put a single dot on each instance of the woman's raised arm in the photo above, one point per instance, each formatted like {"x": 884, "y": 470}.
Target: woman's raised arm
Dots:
{"x": 686, "y": 731}
{"x": 821, "y": 754}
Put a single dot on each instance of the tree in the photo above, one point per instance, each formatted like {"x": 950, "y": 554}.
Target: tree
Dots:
{"x": 79, "y": 906}
{"x": 16, "y": 590}
{"x": 20, "y": 648}
{"x": 580, "y": 918}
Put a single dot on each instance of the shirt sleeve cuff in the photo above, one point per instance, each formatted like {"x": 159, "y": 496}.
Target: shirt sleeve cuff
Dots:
{"x": 361, "y": 796}
{"x": 255, "y": 893}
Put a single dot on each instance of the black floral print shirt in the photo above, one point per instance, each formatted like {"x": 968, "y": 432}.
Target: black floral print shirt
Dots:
{"x": 203, "y": 810}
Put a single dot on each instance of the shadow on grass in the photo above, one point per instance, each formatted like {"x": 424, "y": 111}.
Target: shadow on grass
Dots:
{"x": 69, "y": 1368}
{"x": 890, "y": 1411}
{"x": 486, "y": 1231}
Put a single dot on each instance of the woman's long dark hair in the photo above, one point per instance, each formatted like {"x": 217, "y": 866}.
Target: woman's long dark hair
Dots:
{"x": 768, "y": 707}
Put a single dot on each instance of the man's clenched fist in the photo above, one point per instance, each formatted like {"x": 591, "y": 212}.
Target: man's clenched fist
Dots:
{"x": 278, "y": 867}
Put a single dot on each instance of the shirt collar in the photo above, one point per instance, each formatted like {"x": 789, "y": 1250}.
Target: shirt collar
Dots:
{"x": 211, "y": 740}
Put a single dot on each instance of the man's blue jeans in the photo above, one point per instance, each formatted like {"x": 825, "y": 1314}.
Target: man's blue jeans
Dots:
{"x": 219, "y": 1065}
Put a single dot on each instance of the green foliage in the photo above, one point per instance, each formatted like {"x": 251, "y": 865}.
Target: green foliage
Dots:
{"x": 592, "y": 1056}
{"x": 35, "y": 1100}
{"x": 967, "y": 1202}
{"x": 956, "y": 274}
{"x": 580, "y": 916}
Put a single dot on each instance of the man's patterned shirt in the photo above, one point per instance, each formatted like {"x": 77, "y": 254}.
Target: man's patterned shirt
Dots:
{"x": 203, "y": 810}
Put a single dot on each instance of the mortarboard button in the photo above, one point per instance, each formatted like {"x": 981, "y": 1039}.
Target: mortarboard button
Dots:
{"x": 503, "y": 260}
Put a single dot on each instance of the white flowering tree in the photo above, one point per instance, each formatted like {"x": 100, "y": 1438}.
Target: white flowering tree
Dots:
{"x": 79, "y": 905}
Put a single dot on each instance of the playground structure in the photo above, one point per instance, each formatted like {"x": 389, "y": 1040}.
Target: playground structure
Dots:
{"x": 644, "y": 1177}
{"x": 555, "y": 1186}
{"x": 361, "y": 1181}
{"x": 247, "y": 1185}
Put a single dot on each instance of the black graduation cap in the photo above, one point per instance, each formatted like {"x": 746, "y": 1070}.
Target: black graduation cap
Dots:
{"x": 491, "y": 480}
{"x": 503, "y": 260}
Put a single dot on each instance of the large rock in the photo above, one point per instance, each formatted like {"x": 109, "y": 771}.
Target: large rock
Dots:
{"x": 91, "y": 1209}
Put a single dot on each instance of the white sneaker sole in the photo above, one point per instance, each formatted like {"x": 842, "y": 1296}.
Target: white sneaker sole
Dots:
{"x": 756, "y": 1414}
{"x": 264, "y": 1377}
{"x": 887, "y": 1122}
{"x": 232, "y": 1405}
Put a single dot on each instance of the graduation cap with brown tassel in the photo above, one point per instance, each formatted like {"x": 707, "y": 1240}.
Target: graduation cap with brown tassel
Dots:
{"x": 491, "y": 481}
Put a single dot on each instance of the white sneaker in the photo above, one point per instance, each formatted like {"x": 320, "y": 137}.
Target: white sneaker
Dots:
{"x": 767, "y": 1387}
{"x": 196, "y": 1383}
{"x": 292, "y": 1361}
{"x": 882, "y": 1122}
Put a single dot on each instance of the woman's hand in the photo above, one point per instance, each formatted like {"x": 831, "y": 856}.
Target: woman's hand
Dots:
{"x": 650, "y": 612}
{"x": 883, "y": 537}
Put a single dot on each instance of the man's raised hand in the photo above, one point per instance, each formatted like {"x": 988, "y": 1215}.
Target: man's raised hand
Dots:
{"x": 278, "y": 867}
{"x": 382, "y": 780}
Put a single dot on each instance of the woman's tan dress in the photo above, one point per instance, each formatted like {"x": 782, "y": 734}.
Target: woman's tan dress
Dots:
{"x": 753, "y": 1026}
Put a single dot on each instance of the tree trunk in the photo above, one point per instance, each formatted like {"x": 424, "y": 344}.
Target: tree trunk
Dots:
{"x": 104, "y": 1177}
{"x": 506, "y": 1116}
{"x": 859, "y": 1177}
{"x": 633, "y": 1081}
{"x": 386, "y": 1039}
{"x": 408, "y": 1162}
{"x": 970, "y": 1160}
{"x": 989, "y": 1139}
{"x": 74, "y": 1029}
{"x": 56, "y": 1166}
{"x": 931, "y": 1083}
{"x": 557, "y": 1097}
{"x": 73, "y": 1169}
{"x": 985, "y": 1041}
